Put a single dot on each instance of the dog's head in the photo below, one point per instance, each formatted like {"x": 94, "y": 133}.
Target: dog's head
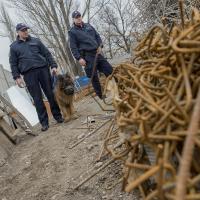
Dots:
{"x": 65, "y": 84}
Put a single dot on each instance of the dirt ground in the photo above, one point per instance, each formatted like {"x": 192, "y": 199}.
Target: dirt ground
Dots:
{"x": 45, "y": 168}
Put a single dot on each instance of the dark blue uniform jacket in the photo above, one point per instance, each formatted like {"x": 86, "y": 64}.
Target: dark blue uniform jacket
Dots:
{"x": 83, "y": 39}
{"x": 28, "y": 55}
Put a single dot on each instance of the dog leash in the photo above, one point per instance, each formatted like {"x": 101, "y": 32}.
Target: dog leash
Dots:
{"x": 54, "y": 80}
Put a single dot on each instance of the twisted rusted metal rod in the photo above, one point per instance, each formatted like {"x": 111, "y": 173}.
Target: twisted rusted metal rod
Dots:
{"x": 154, "y": 98}
{"x": 184, "y": 173}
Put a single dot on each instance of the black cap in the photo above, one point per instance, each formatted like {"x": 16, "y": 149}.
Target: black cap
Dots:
{"x": 21, "y": 26}
{"x": 76, "y": 14}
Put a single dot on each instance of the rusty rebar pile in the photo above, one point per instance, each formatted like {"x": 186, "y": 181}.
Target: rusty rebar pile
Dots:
{"x": 155, "y": 97}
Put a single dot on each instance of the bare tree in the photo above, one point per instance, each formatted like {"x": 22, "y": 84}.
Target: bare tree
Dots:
{"x": 122, "y": 21}
{"x": 49, "y": 20}
{"x": 92, "y": 8}
{"x": 117, "y": 22}
{"x": 5, "y": 19}
{"x": 152, "y": 11}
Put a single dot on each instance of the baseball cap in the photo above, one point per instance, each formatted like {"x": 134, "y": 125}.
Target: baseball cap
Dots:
{"x": 76, "y": 14}
{"x": 21, "y": 26}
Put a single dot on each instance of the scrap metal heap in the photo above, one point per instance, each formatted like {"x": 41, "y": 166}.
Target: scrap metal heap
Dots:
{"x": 157, "y": 99}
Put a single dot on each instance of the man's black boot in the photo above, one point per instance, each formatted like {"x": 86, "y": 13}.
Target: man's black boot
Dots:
{"x": 102, "y": 97}
{"x": 61, "y": 120}
{"x": 44, "y": 127}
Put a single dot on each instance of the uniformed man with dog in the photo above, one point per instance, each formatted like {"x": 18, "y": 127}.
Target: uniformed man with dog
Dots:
{"x": 85, "y": 43}
{"x": 30, "y": 58}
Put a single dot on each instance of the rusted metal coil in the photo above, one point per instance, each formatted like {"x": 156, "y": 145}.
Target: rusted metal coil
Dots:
{"x": 154, "y": 98}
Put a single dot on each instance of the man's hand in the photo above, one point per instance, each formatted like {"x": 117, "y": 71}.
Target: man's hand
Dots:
{"x": 82, "y": 62}
{"x": 54, "y": 71}
{"x": 20, "y": 82}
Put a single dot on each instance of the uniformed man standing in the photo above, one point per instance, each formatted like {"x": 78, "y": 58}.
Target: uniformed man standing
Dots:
{"x": 85, "y": 42}
{"x": 30, "y": 58}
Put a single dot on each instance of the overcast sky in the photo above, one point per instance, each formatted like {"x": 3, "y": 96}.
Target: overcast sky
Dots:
{"x": 4, "y": 44}
{"x": 4, "y": 52}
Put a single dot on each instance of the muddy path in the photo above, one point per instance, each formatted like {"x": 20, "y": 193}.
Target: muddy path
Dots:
{"x": 45, "y": 168}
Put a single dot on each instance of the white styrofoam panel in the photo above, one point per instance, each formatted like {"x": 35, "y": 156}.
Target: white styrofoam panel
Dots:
{"x": 20, "y": 100}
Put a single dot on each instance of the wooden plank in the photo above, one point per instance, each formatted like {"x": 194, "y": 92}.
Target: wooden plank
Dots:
{"x": 7, "y": 130}
{"x": 7, "y": 103}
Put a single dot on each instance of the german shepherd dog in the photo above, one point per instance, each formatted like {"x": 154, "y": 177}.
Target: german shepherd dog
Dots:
{"x": 64, "y": 94}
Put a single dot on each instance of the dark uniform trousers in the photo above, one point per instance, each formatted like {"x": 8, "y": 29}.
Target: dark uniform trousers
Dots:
{"x": 35, "y": 80}
{"x": 102, "y": 65}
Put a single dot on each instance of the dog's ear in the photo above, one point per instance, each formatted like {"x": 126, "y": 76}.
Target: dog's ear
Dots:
{"x": 67, "y": 75}
{"x": 60, "y": 78}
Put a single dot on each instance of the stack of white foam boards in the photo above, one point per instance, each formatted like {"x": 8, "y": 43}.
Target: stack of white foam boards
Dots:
{"x": 21, "y": 101}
